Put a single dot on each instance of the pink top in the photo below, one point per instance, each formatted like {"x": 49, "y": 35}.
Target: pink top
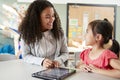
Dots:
{"x": 102, "y": 61}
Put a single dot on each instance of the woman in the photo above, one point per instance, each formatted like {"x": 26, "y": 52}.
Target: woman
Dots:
{"x": 43, "y": 40}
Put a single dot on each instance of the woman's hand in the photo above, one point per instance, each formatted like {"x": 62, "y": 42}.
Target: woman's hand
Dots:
{"x": 50, "y": 64}
{"x": 56, "y": 63}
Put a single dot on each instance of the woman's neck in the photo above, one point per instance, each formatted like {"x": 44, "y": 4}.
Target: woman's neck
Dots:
{"x": 45, "y": 30}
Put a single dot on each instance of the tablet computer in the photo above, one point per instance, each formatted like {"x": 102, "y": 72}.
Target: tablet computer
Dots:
{"x": 54, "y": 73}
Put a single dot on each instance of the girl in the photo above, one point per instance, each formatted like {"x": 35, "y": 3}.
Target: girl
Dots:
{"x": 99, "y": 59}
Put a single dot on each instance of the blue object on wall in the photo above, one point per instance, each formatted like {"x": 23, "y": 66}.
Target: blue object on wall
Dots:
{"x": 6, "y": 43}
{"x": 7, "y": 48}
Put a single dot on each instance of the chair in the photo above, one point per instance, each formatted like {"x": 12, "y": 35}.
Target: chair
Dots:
{"x": 6, "y": 57}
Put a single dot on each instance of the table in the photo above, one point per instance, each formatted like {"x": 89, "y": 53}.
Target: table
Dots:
{"x": 19, "y": 70}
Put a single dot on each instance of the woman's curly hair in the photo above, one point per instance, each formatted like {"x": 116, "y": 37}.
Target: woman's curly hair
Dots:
{"x": 30, "y": 27}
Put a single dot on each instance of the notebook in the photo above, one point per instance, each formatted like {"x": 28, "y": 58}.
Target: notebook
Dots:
{"x": 54, "y": 73}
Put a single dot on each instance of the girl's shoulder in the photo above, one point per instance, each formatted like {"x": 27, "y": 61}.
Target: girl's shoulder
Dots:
{"x": 106, "y": 56}
{"x": 85, "y": 52}
{"x": 109, "y": 54}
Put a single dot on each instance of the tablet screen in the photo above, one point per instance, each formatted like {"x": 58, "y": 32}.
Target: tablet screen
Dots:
{"x": 54, "y": 73}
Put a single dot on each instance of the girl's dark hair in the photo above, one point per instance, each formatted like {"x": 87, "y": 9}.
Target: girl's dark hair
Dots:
{"x": 30, "y": 27}
{"x": 105, "y": 28}
{"x": 115, "y": 47}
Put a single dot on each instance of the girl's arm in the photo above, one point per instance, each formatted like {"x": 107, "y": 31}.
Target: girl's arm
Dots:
{"x": 79, "y": 64}
{"x": 115, "y": 63}
{"x": 115, "y": 72}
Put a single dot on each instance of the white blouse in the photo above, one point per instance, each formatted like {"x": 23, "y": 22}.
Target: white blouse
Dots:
{"x": 47, "y": 47}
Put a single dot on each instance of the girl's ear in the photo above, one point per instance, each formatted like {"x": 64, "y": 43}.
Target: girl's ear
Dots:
{"x": 98, "y": 37}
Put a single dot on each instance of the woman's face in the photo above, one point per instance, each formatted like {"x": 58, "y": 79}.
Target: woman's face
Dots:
{"x": 47, "y": 18}
{"x": 89, "y": 37}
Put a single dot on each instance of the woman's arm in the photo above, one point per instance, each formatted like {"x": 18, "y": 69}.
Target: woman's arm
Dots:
{"x": 28, "y": 57}
{"x": 62, "y": 51}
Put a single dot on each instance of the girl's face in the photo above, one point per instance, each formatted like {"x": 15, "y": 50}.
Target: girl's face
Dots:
{"x": 89, "y": 37}
{"x": 47, "y": 18}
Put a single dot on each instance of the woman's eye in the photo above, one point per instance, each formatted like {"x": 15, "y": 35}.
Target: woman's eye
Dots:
{"x": 47, "y": 17}
{"x": 53, "y": 16}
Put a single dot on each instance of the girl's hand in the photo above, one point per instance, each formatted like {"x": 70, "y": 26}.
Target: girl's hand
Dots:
{"x": 92, "y": 68}
{"x": 88, "y": 68}
{"x": 82, "y": 67}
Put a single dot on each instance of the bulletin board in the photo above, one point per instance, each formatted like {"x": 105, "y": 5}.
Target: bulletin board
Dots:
{"x": 79, "y": 15}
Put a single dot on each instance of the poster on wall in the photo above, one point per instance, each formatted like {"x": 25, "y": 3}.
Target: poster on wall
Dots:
{"x": 73, "y": 22}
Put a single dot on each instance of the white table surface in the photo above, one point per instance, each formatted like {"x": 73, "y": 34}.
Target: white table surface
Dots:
{"x": 19, "y": 70}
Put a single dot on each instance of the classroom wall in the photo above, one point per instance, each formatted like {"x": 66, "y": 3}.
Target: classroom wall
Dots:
{"x": 62, "y": 11}
{"x": 118, "y": 24}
